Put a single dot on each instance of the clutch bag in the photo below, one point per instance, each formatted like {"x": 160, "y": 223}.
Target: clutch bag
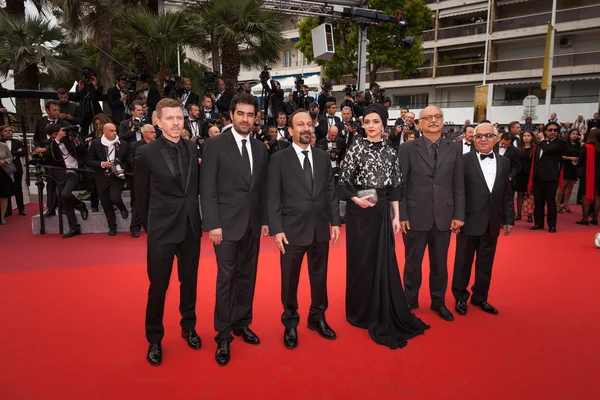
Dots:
{"x": 368, "y": 192}
{"x": 9, "y": 168}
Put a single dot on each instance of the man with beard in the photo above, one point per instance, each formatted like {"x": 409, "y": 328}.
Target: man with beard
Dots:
{"x": 299, "y": 218}
{"x": 467, "y": 140}
{"x": 233, "y": 193}
{"x": 432, "y": 206}
{"x": 166, "y": 185}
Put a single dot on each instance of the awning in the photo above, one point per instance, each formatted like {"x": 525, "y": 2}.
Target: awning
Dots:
{"x": 508, "y": 2}
{"x": 575, "y": 78}
{"x": 518, "y": 82}
{"x": 287, "y": 84}
{"x": 462, "y": 10}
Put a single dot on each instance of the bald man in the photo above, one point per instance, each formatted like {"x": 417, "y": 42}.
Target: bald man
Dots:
{"x": 432, "y": 206}
{"x": 109, "y": 157}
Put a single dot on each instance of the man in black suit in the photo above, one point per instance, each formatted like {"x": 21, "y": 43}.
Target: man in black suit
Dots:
{"x": 130, "y": 130}
{"x": 221, "y": 99}
{"x": 69, "y": 110}
{"x": 152, "y": 95}
{"x": 490, "y": 208}
{"x": 17, "y": 149}
{"x": 546, "y": 173}
{"x": 467, "y": 139}
{"x": 194, "y": 123}
{"x": 233, "y": 194}
{"x": 277, "y": 97}
{"x": 283, "y": 132}
{"x": 166, "y": 184}
{"x": 432, "y": 206}
{"x": 300, "y": 212}
{"x": 88, "y": 96}
{"x": 149, "y": 135}
{"x": 67, "y": 152}
{"x": 117, "y": 101}
{"x": 108, "y": 155}
{"x": 274, "y": 141}
{"x": 330, "y": 119}
{"x": 187, "y": 96}
{"x": 335, "y": 146}
{"x": 206, "y": 111}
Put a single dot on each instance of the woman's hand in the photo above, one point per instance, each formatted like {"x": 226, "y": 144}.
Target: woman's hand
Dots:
{"x": 363, "y": 202}
{"x": 396, "y": 224}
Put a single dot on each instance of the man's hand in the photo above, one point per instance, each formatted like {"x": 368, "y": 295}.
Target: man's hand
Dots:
{"x": 216, "y": 236}
{"x": 507, "y": 229}
{"x": 280, "y": 239}
{"x": 106, "y": 164}
{"x": 363, "y": 202}
{"x": 39, "y": 150}
{"x": 60, "y": 135}
{"x": 123, "y": 98}
{"x": 404, "y": 227}
{"x": 94, "y": 81}
{"x": 212, "y": 96}
{"x": 455, "y": 225}
{"x": 264, "y": 230}
{"x": 396, "y": 224}
{"x": 335, "y": 233}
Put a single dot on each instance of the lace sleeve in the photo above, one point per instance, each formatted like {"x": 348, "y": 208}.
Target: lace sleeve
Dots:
{"x": 348, "y": 173}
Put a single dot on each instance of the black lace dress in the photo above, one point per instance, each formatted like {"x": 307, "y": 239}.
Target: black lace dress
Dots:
{"x": 375, "y": 298}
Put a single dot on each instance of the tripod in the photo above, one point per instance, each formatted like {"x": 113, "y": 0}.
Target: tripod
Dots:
{"x": 266, "y": 96}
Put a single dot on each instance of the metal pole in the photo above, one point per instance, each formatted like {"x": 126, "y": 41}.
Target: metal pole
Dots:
{"x": 551, "y": 53}
{"x": 487, "y": 42}
{"x": 178, "y": 62}
{"x": 362, "y": 57}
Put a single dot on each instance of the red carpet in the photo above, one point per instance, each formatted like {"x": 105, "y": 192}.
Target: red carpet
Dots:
{"x": 72, "y": 327}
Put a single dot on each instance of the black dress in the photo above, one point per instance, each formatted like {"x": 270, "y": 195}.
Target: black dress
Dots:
{"x": 524, "y": 170}
{"x": 375, "y": 298}
{"x": 570, "y": 169}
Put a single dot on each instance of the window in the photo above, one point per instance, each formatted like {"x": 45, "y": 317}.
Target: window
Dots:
{"x": 287, "y": 59}
{"x": 519, "y": 93}
{"x": 411, "y": 101}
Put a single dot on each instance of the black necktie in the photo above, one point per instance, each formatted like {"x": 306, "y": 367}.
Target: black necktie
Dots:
{"x": 246, "y": 157}
{"x": 484, "y": 156}
{"x": 467, "y": 144}
{"x": 307, "y": 170}
{"x": 434, "y": 155}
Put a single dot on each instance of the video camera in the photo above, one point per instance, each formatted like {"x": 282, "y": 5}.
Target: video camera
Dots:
{"x": 170, "y": 85}
{"x": 87, "y": 73}
{"x": 210, "y": 82}
{"x": 299, "y": 81}
{"x": 349, "y": 89}
{"x": 327, "y": 86}
{"x": 72, "y": 131}
{"x": 265, "y": 75}
{"x": 131, "y": 80}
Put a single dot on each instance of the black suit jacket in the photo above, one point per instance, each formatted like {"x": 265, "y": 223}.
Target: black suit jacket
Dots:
{"x": 17, "y": 145}
{"x": 277, "y": 101}
{"x": 165, "y": 204}
{"x": 97, "y": 154}
{"x": 202, "y": 127}
{"x": 222, "y": 105}
{"x": 430, "y": 198}
{"x": 40, "y": 138}
{"x": 512, "y": 154}
{"x": 303, "y": 215}
{"x": 152, "y": 100}
{"x": 548, "y": 166}
{"x": 125, "y": 132}
{"x": 192, "y": 98}
{"x": 229, "y": 198}
{"x": 485, "y": 208}
{"x": 116, "y": 105}
{"x": 57, "y": 158}
{"x": 132, "y": 152}
{"x": 340, "y": 144}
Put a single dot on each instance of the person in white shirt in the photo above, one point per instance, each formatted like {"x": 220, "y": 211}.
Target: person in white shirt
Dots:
{"x": 467, "y": 140}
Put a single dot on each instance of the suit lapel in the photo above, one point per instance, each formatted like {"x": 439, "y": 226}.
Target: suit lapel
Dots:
{"x": 445, "y": 146}
{"x": 193, "y": 159}
{"x": 165, "y": 154}
{"x": 473, "y": 158}
{"x": 422, "y": 150}
{"x": 236, "y": 156}
{"x": 319, "y": 168}
{"x": 256, "y": 165}
{"x": 293, "y": 159}
{"x": 499, "y": 174}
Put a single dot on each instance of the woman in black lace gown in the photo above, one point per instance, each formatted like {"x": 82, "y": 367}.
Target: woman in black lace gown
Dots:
{"x": 526, "y": 144}
{"x": 375, "y": 298}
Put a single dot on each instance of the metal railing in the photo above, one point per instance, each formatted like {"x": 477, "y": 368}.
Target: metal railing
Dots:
{"x": 526, "y": 21}
{"x": 560, "y": 60}
{"x": 555, "y": 100}
{"x": 459, "y": 69}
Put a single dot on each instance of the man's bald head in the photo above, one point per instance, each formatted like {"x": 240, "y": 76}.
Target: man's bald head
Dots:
{"x": 109, "y": 131}
{"x": 332, "y": 132}
{"x": 431, "y": 121}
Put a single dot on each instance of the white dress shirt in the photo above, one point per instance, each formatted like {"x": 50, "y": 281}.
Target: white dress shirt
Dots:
{"x": 466, "y": 147}
{"x": 501, "y": 150}
{"x": 9, "y": 143}
{"x": 488, "y": 167}
{"x": 70, "y": 161}
{"x": 238, "y": 140}
{"x": 301, "y": 156}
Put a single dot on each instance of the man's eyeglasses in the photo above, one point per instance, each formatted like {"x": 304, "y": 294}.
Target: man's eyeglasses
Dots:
{"x": 430, "y": 118}
{"x": 480, "y": 136}
{"x": 552, "y": 130}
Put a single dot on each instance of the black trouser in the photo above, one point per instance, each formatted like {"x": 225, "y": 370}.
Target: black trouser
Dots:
{"x": 466, "y": 248}
{"x": 291, "y": 263}
{"x": 136, "y": 223}
{"x": 237, "y": 261}
{"x": 110, "y": 189}
{"x": 544, "y": 193}
{"x": 414, "y": 243}
{"x": 160, "y": 265}
{"x": 68, "y": 202}
{"x": 51, "y": 195}
{"x": 17, "y": 187}
{"x": 91, "y": 187}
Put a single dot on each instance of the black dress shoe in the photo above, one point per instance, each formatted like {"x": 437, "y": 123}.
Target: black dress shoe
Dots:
{"x": 290, "y": 338}
{"x": 8, "y": 213}
{"x": 582, "y": 222}
{"x": 71, "y": 233}
{"x": 135, "y": 234}
{"x": 529, "y": 219}
{"x": 594, "y": 222}
{"x": 192, "y": 338}
{"x": 443, "y": 312}
{"x": 413, "y": 306}
{"x": 94, "y": 209}
{"x": 246, "y": 334}
{"x": 322, "y": 328}
{"x": 485, "y": 306}
{"x": 124, "y": 213}
{"x": 51, "y": 212}
{"x": 22, "y": 212}
{"x": 461, "y": 308}
{"x": 112, "y": 232}
{"x": 84, "y": 212}
{"x": 536, "y": 228}
{"x": 154, "y": 356}
{"x": 222, "y": 355}
{"x": 518, "y": 218}
{"x": 552, "y": 229}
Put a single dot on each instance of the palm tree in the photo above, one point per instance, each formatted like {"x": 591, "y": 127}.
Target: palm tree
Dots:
{"x": 28, "y": 46}
{"x": 245, "y": 31}
{"x": 157, "y": 36}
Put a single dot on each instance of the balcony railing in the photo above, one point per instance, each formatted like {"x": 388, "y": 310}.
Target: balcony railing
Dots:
{"x": 459, "y": 69}
{"x": 426, "y": 72}
{"x": 555, "y": 100}
{"x": 527, "y": 21}
{"x": 293, "y": 64}
{"x": 560, "y": 60}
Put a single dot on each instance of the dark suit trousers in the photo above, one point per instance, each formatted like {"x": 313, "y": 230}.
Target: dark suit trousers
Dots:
{"x": 237, "y": 261}
{"x": 466, "y": 248}
{"x": 544, "y": 192}
{"x": 160, "y": 265}
{"x": 110, "y": 189}
{"x": 291, "y": 263}
{"x": 17, "y": 192}
{"x": 68, "y": 201}
{"x": 51, "y": 186}
{"x": 414, "y": 244}
{"x": 136, "y": 222}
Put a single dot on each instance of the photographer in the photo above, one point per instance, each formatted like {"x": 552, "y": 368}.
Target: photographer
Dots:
{"x": 277, "y": 94}
{"x": 320, "y": 130}
{"x": 350, "y": 128}
{"x": 69, "y": 110}
{"x": 149, "y": 135}
{"x": 221, "y": 99}
{"x": 373, "y": 93}
{"x": 359, "y": 105}
{"x": 118, "y": 101}
{"x": 302, "y": 99}
{"x": 326, "y": 96}
{"x": 282, "y": 128}
{"x": 88, "y": 96}
{"x": 329, "y": 119}
{"x": 186, "y": 95}
{"x": 130, "y": 130}
{"x": 273, "y": 143}
{"x": 335, "y": 146}
{"x": 108, "y": 156}
{"x": 152, "y": 95}
{"x": 194, "y": 124}
{"x": 41, "y": 137}
{"x": 65, "y": 151}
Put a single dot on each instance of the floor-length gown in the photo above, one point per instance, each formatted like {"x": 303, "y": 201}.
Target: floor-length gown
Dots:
{"x": 375, "y": 298}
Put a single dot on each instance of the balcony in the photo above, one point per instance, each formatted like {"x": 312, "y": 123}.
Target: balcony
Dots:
{"x": 456, "y": 31}
{"x": 459, "y": 69}
{"x": 421, "y": 73}
{"x": 568, "y": 15}
{"x": 555, "y": 100}
{"x": 560, "y": 60}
